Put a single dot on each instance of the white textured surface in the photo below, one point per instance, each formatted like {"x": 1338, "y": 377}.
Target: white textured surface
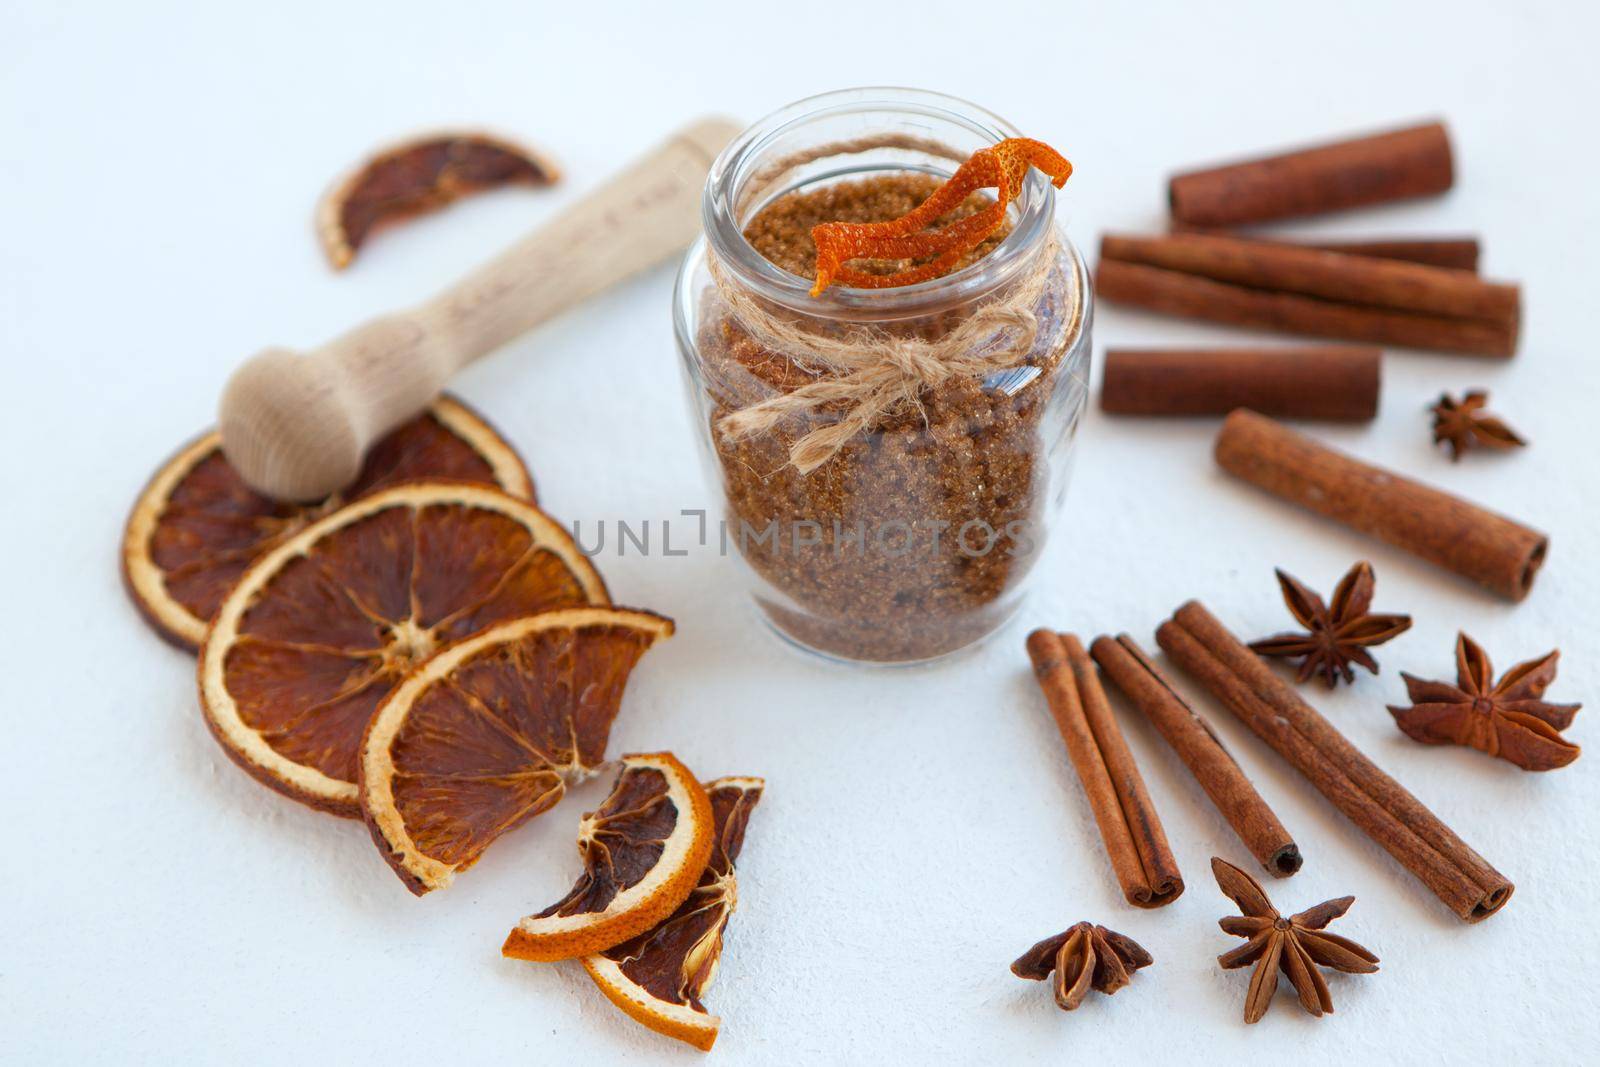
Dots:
{"x": 922, "y": 827}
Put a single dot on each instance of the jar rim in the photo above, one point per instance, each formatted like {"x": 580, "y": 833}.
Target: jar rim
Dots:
{"x": 720, "y": 208}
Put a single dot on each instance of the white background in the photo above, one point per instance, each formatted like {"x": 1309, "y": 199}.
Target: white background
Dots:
{"x": 922, "y": 827}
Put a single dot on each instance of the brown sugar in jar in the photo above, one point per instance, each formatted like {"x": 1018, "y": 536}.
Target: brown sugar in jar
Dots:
{"x": 914, "y": 538}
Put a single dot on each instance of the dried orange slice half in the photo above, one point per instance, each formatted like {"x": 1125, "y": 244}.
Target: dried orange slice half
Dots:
{"x": 416, "y": 177}
{"x": 659, "y": 977}
{"x": 197, "y": 526}
{"x": 643, "y": 852}
{"x": 484, "y": 735}
{"x": 324, "y": 626}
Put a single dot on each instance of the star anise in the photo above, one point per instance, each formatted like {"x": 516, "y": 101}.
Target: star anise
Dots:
{"x": 1507, "y": 718}
{"x": 1337, "y": 636}
{"x": 1293, "y": 946}
{"x": 1083, "y": 957}
{"x": 1464, "y": 425}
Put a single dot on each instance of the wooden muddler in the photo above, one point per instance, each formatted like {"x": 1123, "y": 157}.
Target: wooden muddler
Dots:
{"x": 1330, "y": 177}
{"x": 296, "y": 426}
{"x": 1492, "y": 550}
{"x": 1334, "y": 382}
{"x": 1128, "y": 822}
{"x": 1190, "y": 736}
{"x": 1380, "y": 806}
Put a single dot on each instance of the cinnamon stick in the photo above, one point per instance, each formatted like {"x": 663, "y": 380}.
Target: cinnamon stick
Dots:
{"x": 1191, "y": 737}
{"x": 1380, "y": 806}
{"x": 1128, "y": 823}
{"x": 1496, "y": 552}
{"x": 1374, "y": 169}
{"x": 1174, "y": 292}
{"x": 1336, "y": 276}
{"x": 1456, "y": 253}
{"x": 1335, "y": 382}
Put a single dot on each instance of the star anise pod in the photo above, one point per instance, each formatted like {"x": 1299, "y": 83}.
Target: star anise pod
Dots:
{"x": 1293, "y": 946}
{"x": 1083, "y": 957}
{"x": 1507, "y": 718}
{"x": 1336, "y": 637}
{"x": 1464, "y": 425}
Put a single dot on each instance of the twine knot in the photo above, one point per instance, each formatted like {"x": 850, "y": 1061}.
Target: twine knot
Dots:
{"x": 917, "y": 366}
{"x": 872, "y": 374}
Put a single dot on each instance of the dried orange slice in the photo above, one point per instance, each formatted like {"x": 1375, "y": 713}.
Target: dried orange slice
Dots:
{"x": 643, "y": 852}
{"x": 197, "y": 526}
{"x": 659, "y": 977}
{"x": 418, "y": 176}
{"x": 324, "y": 626}
{"x": 483, "y": 736}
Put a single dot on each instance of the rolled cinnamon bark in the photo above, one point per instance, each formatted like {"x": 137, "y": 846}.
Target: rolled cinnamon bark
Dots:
{"x": 1496, "y": 552}
{"x": 1335, "y": 382}
{"x": 1380, "y": 806}
{"x": 1174, "y": 292}
{"x": 1455, "y": 253}
{"x": 1190, "y": 736}
{"x": 1337, "y": 276}
{"x": 1128, "y": 822}
{"x": 1332, "y": 177}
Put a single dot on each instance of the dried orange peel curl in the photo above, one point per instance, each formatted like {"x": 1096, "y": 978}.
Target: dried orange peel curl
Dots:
{"x": 1002, "y": 168}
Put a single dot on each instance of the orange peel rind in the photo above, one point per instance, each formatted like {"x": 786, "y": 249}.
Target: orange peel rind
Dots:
{"x": 1002, "y": 167}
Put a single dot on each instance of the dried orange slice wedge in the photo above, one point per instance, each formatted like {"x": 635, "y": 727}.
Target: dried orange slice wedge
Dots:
{"x": 659, "y": 977}
{"x": 416, "y": 177}
{"x": 324, "y": 626}
{"x": 197, "y": 526}
{"x": 643, "y": 852}
{"x": 483, "y": 736}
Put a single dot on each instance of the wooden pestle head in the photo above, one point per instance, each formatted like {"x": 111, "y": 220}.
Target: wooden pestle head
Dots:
{"x": 288, "y": 428}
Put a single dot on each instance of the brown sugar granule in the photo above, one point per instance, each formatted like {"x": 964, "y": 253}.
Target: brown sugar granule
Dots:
{"x": 865, "y": 557}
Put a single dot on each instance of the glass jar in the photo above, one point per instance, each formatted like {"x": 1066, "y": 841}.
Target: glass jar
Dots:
{"x": 915, "y": 537}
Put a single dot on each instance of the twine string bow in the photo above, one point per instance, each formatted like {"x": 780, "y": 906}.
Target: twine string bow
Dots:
{"x": 873, "y": 374}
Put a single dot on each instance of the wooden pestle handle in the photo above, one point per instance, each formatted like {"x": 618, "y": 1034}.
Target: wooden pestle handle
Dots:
{"x": 296, "y": 426}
